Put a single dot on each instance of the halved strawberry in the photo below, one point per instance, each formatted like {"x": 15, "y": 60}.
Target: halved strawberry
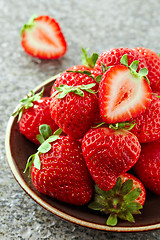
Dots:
{"x": 42, "y": 38}
{"x": 123, "y": 93}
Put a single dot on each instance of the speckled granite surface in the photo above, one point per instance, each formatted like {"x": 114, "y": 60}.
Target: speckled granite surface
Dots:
{"x": 98, "y": 25}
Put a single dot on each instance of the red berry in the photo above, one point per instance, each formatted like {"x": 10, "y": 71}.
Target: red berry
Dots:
{"x": 147, "y": 128}
{"x": 109, "y": 153}
{"x": 112, "y": 57}
{"x": 152, "y": 60}
{"x": 147, "y": 167}
{"x": 63, "y": 173}
{"x": 74, "y": 114}
{"x": 35, "y": 116}
{"x": 122, "y": 201}
{"x": 136, "y": 184}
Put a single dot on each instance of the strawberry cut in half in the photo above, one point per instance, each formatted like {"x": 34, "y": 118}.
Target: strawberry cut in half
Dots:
{"x": 42, "y": 38}
{"x": 123, "y": 93}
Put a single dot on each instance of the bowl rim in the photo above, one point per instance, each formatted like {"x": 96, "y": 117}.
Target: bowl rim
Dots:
{"x": 47, "y": 206}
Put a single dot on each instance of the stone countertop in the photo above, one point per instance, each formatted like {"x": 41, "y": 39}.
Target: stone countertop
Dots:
{"x": 99, "y": 25}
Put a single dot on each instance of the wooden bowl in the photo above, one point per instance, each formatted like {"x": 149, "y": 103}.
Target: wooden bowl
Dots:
{"x": 18, "y": 149}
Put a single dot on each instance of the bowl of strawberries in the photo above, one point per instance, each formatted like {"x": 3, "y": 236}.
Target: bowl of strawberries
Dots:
{"x": 85, "y": 143}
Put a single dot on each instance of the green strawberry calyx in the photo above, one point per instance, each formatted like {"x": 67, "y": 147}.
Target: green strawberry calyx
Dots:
{"x": 88, "y": 73}
{"x": 29, "y": 24}
{"x": 88, "y": 61}
{"x": 27, "y": 102}
{"x": 122, "y": 125}
{"x": 45, "y": 138}
{"x": 119, "y": 202}
{"x": 63, "y": 90}
{"x": 133, "y": 68}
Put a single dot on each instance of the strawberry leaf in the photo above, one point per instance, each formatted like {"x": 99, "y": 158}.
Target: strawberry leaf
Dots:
{"x": 99, "y": 125}
{"x": 98, "y": 78}
{"x": 123, "y": 125}
{"x": 65, "y": 89}
{"x": 127, "y": 186}
{"x": 95, "y": 206}
{"x": 117, "y": 186}
{"x": 88, "y": 73}
{"x": 104, "y": 67}
{"x": 133, "y": 207}
{"x": 29, "y": 164}
{"x": 44, "y": 147}
{"x": 143, "y": 72}
{"x": 132, "y": 195}
{"x": 37, "y": 162}
{"x": 104, "y": 194}
{"x": 55, "y": 136}
{"x": 129, "y": 216}
{"x": 88, "y": 61}
{"x": 45, "y": 132}
{"x": 119, "y": 201}
{"x": 124, "y": 60}
{"x": 28, "y": 25}
{"x": 27, "y": 103}
{"x": 134, "y": 65}
{"x": 133, "y": 68}
{"x": 112, "y": 220}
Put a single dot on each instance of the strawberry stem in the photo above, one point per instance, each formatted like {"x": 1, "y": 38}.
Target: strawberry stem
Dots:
{"x": 88, "y": 61}
{"x": 28, "y": 25}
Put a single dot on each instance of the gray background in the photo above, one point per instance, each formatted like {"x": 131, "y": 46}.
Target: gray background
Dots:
{"x": 99, "y": 25}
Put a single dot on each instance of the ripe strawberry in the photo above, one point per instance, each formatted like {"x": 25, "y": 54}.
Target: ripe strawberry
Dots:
{"x": 124, "y": 199}
{"x": 147, "y": 128}
{"x": 153, "y": 66}
{"x": 136, "y": 184}
{"x": 59, "y": 170}
{"x": 109, "y": 153}
{"x": 112, "y": 57}
{"x": 34, "y": 111}
{"x": 147, "y": 167}
{"x": 75, "y": 109}
{"x": 123, "y": 93}
{"x": 42, "y": 38}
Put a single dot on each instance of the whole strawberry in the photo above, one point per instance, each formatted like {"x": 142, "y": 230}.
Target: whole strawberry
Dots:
{"x": 74, "y": 104}
{"x": 59, "y": 170}
{"x": 109, "y": 153}
{"x": 147, "y": 127}
{"x": 122, "y": 201}
{"x": 34, "y": 111}
{"x": 124, "y": 93}
{"x": 152, "y": 60}
{"x": 112, "y": 57}
{"x": 147, "y": 167}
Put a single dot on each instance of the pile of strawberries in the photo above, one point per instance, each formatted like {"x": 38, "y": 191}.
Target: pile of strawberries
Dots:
{"x": 101, "y": 120}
